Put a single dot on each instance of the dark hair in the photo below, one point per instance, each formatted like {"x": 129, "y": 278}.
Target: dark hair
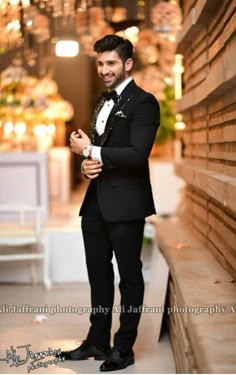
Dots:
{"x": 123, "y": 47}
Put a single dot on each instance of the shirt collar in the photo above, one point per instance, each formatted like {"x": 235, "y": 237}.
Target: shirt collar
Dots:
{"x": 122, "y": 86}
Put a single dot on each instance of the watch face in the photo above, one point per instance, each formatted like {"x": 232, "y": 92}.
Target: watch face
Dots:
{"x": 86, "y": 153}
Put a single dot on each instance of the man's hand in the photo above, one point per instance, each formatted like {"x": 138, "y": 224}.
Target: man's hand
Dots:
{"x": 78, "y": 141}
{"x": 92, "y": 168}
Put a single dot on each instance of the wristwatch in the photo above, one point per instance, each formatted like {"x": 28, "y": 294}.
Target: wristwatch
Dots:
{"x": 87, "y": 150}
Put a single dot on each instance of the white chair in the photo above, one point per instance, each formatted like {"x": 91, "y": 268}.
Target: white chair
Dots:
{"x": 21, "y": 238}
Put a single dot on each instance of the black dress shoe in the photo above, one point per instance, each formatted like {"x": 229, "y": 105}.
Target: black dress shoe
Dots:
{"x": 118, "y": 359}
{"x": 85, "y": 351}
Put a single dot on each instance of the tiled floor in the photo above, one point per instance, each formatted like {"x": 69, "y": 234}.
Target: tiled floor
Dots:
{"x": 66, "y": 330}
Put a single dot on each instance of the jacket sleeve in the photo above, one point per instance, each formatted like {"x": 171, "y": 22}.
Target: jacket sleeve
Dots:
{"x": 145, "y": 121}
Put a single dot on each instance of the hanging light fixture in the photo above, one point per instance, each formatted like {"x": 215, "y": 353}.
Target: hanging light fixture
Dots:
{"x": 67, "y": 48}
{"x": 166, "y": 19}
{"x": 65, "y": 36}
{"x": 10, "y": 24}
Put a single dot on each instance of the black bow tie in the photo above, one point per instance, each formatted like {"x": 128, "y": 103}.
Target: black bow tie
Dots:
{"x": 110, "y": 95}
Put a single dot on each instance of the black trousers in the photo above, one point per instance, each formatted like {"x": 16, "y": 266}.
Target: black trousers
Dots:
{"x": 101, "y": 239}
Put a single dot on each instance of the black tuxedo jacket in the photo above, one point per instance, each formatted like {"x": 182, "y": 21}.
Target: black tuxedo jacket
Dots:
{"x": 123, "y": 187}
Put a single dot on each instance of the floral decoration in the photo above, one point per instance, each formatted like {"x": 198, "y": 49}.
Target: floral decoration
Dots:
{"x": 22, "y": 93}
{"x": 32, "y": 113}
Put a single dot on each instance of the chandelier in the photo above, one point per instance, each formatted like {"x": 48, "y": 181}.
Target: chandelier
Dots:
{"x": 29, "y": 22}
{"x": 166, "y": 19}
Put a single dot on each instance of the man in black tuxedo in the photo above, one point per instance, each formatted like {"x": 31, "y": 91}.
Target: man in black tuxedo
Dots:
{"x": 118, "y": 199}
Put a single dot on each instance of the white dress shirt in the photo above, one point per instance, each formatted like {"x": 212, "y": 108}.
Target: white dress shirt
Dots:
{"x": 103, "y": 116}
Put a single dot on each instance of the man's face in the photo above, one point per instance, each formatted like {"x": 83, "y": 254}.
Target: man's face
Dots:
{"x": 111, "y": 68}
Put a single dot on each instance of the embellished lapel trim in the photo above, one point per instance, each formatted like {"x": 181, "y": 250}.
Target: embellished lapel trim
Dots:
{"x": 98, "y": 106}
{"x": 119, "y": 106}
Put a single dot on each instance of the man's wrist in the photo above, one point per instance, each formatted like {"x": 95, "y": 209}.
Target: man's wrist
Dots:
{"x": 82, "y": 170}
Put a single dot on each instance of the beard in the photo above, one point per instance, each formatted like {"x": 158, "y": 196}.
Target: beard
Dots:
{"x": 116, "y": 80}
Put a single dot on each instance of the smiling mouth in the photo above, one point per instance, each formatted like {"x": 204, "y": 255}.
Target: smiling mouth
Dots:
{"x": 107, "y": 79}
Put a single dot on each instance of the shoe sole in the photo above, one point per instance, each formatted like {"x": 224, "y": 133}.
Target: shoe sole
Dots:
{"x": 96, "y": 357}
{"x": 128, "y": 363}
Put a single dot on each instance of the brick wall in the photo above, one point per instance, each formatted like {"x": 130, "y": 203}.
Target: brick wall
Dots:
{"x": 208, "y": 44}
